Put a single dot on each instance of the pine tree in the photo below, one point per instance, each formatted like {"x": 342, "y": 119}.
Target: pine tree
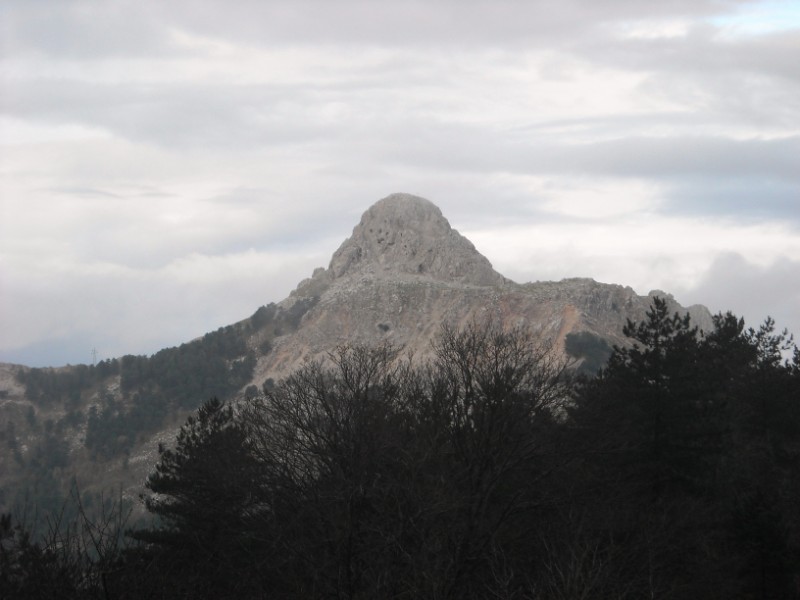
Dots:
{"x": 203, "y": 493}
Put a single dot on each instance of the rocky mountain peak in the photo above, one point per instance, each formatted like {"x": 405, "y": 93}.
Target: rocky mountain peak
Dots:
{"x": 406, "y": 234}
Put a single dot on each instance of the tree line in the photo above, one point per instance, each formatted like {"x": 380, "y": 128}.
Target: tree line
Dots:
{"x": 490, "y": 470}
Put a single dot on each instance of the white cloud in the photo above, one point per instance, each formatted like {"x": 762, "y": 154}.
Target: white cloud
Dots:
{"x": 638, "y": 249}
{"x": 653, "y": 30}
{"x": 598, "y": 199}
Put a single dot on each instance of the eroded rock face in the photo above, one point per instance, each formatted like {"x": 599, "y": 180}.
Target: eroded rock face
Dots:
{"x": 405, "y": 234}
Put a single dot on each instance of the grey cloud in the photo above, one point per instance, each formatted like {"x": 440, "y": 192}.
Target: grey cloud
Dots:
{"x": 387, "y": 22}
{"x": 682, "y": 155}
{"x": 90, "y": 29}
{"x": 237, "y": 220}
{"x": 606, "y": 126}
{"x": 83, "y": 29}
{"x": 470, "y": 148}
{"x": 742, "y": 179}
{"x": 190, "y": 115}
{"x": 703, "y": 50}
{"x": 754, "y": 81}
{"x": 204, "y": 117}
{"x": 83, "y": 191}
{"x": 736, "y": 198}
{"x": 281, "y": 225}
{"x": 728, "y": 100}
{"x": 751, "y": 291}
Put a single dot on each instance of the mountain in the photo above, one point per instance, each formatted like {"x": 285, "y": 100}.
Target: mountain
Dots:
{"x": 401, "y": 275}
{"x": 404, "y": 272}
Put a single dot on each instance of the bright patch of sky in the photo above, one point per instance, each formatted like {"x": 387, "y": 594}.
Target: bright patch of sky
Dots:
{"x": 760, "y": 18}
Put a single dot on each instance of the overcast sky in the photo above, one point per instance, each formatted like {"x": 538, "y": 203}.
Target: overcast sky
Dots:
{"x": 168, "y": 167}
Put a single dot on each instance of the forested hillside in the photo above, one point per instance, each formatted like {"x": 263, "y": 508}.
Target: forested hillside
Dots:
{"x": 491, "y": 470}
{"x": 73, "y": 424}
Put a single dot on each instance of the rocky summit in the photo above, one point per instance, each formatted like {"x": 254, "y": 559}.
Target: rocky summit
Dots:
{"x": 405, "y": 234}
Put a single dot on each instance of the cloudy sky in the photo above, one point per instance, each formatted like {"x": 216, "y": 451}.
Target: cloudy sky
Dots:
{"x": 168, "y": 167}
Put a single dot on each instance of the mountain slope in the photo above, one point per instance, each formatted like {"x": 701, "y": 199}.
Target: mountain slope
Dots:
{"x": 401, "y": 275}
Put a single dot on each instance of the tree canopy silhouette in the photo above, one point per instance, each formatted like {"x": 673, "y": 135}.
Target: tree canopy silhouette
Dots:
{"x": 485, "y": 471}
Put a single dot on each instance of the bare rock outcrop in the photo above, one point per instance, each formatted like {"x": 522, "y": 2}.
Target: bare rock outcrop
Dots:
{"x": 405, "y": 234}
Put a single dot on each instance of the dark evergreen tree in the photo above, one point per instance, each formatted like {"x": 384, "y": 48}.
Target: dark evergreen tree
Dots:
{"x": 692, "y": 438}
{"x": 204, "y": 494}
{"x": 764, "y": 465}
{"x": 650, "y": 406}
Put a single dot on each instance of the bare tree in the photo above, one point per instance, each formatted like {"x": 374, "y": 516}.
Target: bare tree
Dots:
{"x": 396, "y": 478}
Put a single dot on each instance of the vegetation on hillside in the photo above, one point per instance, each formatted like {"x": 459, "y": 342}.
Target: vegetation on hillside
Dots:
{"x": 488, "y": 472}
{"x": 112, "y": 406}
